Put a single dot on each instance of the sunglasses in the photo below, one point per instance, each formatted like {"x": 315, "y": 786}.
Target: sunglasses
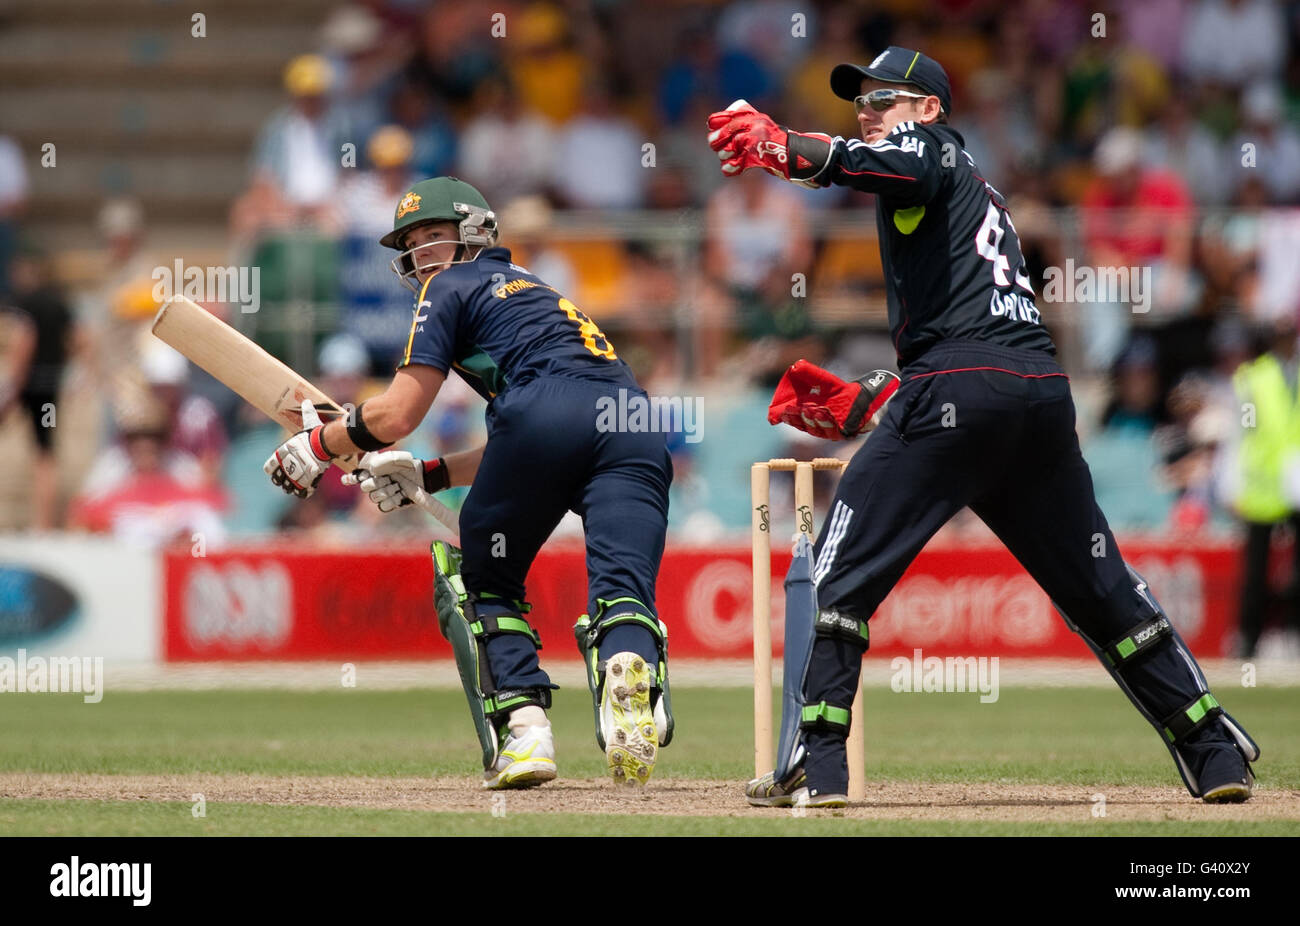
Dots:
{"x": 881, "y": 100}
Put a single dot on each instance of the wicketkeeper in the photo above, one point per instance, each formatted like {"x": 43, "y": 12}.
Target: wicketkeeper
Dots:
{"x": 544, "y": 368}
{"x": 982, "y": 418}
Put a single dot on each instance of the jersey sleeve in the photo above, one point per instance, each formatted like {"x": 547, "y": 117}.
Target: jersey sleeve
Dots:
{"x": 435, "y": 327}
{"x": 904, "y": 166}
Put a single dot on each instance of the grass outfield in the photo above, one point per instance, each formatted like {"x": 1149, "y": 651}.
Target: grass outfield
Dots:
{"x": 1089, "y": 740}
{"x": 87, "y": 818}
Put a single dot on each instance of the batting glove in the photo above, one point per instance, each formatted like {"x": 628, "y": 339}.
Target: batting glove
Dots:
{"x": 298, "y": 464}
{"x": 395, "y": 479}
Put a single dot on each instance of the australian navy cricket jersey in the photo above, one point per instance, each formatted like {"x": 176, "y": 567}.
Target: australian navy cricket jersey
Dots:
{"x": 952, "y": 261}
{"x": 497, "y": 325}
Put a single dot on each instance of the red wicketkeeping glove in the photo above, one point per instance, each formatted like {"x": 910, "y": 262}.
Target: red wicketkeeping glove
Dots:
{"x": 744, "y": 138}
{"x": 823, "y": 405}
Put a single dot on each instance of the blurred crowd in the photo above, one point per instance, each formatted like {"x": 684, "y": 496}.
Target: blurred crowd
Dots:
{"x": 1145, "y": 120}
{"x": 1162, "y": 135}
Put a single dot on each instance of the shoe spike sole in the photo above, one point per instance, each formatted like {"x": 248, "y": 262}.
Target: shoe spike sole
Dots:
{"x": 632, "y": 746}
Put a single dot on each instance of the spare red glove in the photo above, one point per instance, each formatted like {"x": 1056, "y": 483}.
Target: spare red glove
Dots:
{"x": 823, "y": 405}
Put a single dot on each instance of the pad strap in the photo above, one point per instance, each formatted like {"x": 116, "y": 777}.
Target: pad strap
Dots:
{"x": 502, "y": 702}
{"x": 833, "y": 623}
{"x": 825, "y": 716}
{"x": 484, "y": 626}
{"x": 1139, "y": 640}
{"x": 492, "y": 624}
{"x": 1194, "y": 715}
{"x": 590, "y": 631}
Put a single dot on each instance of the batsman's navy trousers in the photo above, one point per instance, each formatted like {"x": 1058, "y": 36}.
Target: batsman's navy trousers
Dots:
{"x": 549, "y": 451}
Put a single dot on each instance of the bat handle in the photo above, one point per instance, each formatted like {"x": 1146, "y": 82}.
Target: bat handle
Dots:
{"x": 441, "y": 512}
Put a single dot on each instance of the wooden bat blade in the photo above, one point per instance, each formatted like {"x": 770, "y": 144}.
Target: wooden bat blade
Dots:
{"x": 270, "y": 386}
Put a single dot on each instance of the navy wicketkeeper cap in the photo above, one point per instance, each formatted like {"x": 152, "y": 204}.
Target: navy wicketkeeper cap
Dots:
{"x": 894, "y": 65}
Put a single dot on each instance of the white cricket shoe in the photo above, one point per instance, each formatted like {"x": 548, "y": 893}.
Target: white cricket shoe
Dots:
{"x": 803, "y": 797}
{"x": 524, "y": 761}
{"x": 626, "y": 720}
{"x": 661, "y": 721}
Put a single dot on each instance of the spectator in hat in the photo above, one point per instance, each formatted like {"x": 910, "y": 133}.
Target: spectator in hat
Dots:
{"x": 297, "y": 147}
{"x": 546, "y": 64}
{"x": 297, "y": 157}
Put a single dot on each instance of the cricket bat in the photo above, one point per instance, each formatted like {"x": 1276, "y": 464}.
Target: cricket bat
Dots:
{"x": 258, "y": 378}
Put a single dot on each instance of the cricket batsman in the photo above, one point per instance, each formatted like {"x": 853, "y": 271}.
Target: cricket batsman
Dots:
{"x": 982, "y": 417}
{"x": 543, "y": 366}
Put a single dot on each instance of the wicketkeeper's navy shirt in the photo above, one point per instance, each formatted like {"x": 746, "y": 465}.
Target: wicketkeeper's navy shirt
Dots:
{"x": 952, "y": 261}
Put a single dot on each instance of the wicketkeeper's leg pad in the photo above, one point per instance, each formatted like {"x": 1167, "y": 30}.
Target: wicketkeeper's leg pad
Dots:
{"x": 1155, "y": 669}
{"x": 849, "y": 639}
{"x": 840, "y": 639}
{"x": 489, "y": 706}
{"x": 589, "y": 632}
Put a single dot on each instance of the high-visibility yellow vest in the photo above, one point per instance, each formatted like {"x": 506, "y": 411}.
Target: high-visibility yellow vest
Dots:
{"x": 1271, "y": 436}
